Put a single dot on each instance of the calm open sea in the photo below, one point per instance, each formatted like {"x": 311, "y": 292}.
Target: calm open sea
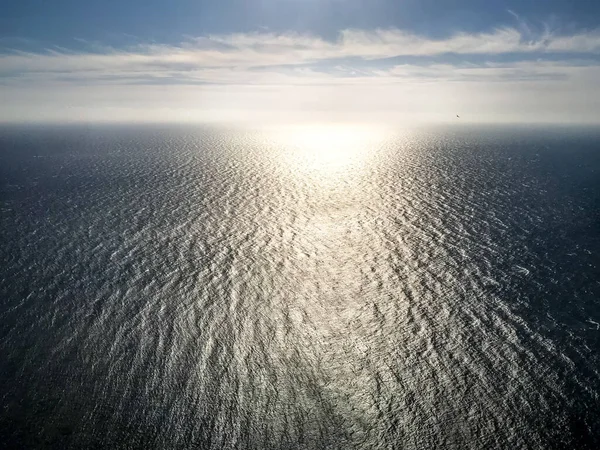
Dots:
{"x": 299, "y": 288}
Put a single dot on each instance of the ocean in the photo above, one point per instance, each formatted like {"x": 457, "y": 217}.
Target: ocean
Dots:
{"x": 326, "y": 287}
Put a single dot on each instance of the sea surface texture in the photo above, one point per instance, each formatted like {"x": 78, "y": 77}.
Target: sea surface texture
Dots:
{"x": 299, "y": 288}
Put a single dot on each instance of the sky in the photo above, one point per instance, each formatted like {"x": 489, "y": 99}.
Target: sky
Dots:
{"x": 491, "y": 61}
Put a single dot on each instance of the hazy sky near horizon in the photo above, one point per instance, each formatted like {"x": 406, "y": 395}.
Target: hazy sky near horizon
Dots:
{"x": 300, "y": 60}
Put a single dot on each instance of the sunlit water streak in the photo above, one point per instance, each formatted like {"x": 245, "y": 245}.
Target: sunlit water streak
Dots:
{"x": 305, "y": 287}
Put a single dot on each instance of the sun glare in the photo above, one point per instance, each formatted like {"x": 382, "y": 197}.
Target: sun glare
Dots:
{"x": 331, "y": 151}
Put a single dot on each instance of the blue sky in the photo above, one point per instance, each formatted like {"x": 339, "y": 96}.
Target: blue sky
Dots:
{"x": 353, "y": 59}
{"x": 60, "y": 21}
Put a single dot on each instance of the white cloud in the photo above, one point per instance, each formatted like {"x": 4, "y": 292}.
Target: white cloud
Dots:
{"x": 268, "y": 49}
{"x": 276, "y": 74}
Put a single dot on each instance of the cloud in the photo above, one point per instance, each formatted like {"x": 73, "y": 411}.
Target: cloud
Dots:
{"x": 390, "y": 72}
{"x": 253, "y": 50}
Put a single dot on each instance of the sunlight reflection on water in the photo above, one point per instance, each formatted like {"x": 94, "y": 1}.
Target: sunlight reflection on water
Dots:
{"x": 328, "y": 153}
{"x": 302, "y": 287}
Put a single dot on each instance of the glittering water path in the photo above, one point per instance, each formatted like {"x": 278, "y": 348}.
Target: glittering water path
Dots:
{"x": 323, "y": 287}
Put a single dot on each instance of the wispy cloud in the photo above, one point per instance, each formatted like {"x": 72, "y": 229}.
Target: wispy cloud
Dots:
{"x": 243, "y": 51}
{"x": 388, "y": 69}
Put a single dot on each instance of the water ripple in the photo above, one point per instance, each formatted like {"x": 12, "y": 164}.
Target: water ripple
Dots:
{"x": 180, "y": 288}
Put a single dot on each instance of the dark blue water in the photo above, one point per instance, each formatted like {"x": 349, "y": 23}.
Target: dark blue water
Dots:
{"x": 326, "y": 288}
